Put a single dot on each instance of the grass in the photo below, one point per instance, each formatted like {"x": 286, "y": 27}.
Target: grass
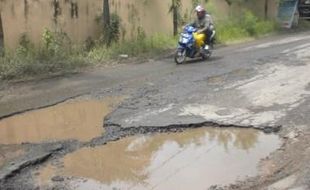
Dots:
{"x": 246, "y": 26}
{"x": 31, "y": 63}
{"x": 56, "y": 55}
{"x": 140, "y": 46}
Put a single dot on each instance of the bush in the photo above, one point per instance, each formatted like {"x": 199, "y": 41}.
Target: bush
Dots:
{"x": 247, "y": 25}
{"x": 111, "y": 33}
{"x": 265, "y": 27}
{"x": 228, "y": 31}
{"x": 56, "y": 55}
{"x": 140, "y": 45}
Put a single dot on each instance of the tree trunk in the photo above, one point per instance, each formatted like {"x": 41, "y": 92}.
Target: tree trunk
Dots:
{"x": 266, "y": 9}
{"x": 106, "y": 23}
{"x": 106, "y": 13}
{"x": 175, "y": 21}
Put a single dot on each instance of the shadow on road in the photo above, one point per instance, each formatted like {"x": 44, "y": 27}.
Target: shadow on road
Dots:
{"x": 199, "y": 60}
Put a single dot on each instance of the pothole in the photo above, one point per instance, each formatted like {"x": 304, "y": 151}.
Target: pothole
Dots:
{"x": 80, "y": 120}
{"x": 193, "y": 159}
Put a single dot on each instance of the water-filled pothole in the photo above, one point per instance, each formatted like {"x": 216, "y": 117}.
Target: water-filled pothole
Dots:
{"x": 194, "y": 159}
{"x": 80, "y": 120}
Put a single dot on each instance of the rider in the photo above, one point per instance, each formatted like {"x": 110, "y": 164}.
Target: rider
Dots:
{"x": 204, "y": 23}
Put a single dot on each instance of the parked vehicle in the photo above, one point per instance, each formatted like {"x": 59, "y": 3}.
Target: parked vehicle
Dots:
{"x": 304, "y": 9}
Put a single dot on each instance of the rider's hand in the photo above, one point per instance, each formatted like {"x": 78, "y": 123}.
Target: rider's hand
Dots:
{"x": 199, "y": 31}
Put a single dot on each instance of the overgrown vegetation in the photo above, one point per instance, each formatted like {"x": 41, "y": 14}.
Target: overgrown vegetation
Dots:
{"x": 246, "y": 25}
{"x": 58, "y": 55}
{"x": 139, "y": 46}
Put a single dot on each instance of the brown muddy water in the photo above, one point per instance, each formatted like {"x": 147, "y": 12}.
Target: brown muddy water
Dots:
{"x": 80, "y": 120}
{"x": 195, "y": 159}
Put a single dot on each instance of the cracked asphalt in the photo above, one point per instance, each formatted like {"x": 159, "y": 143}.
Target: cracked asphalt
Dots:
{"x": 262, "y": 84}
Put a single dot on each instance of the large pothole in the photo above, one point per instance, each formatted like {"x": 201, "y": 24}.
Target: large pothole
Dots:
{"x": 193, "y": 159}
{"x": 79, "y": 120}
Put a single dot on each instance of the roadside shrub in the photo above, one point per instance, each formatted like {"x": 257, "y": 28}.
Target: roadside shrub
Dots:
{"x": 55, "y": 55}
{"x": 139, "y": 46}
{"x": 247, "y": 25}
{"x": 265, "y": 27}
{"x": 229, "y": 31}
{"x": 112, "y": 32}
{"x": 248, "y": 22}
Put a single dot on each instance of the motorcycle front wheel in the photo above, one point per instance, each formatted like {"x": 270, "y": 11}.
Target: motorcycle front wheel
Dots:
{"x": 180, "y": 56}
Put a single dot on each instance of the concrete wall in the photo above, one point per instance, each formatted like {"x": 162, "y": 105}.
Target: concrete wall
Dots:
{"x": 32, "y": 16}
{"x": 80, "y": 19}
{"x": 258, "y": 7}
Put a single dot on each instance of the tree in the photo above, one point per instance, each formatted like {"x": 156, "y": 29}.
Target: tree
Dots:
{"x": 175, "y": 10}
{"x": 106, "y": 13}
{"x": 266, "y": 9}
{"x": 106, "y": 21}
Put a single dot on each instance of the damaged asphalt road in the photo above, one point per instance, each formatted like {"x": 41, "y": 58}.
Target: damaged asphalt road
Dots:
{"x": 263, "y": 84}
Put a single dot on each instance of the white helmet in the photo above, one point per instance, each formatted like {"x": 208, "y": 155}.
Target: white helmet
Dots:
{"x": 199, "y": 8}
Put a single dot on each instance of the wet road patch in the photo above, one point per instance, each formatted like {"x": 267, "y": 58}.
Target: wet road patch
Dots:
{"x": 193, "y": 159}
{"x": 80, "y": 120}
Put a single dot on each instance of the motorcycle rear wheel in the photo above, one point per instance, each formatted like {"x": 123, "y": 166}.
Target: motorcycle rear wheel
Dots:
{"x": 206, "y": 56}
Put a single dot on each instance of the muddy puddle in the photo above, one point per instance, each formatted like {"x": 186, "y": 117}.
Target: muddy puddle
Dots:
{"x": 195, "y": 159}
{"x": 80, "y": 120}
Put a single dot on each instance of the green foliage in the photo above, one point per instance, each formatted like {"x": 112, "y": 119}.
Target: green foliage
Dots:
{"x": 249, "y": 22}
{"x": 136, "y": 47}
{"x": 47, "y": 38}
{"x": 24, "y": 42}
{"x": 195, "y": 3}
{"x": 211, "y": 8}
{"x": 247, "y": 25}
{"x": 140, "y": 33}
{"x": 228, "y": 31}
{"x": 230, "y": 2}
{"x": 56, "y": 55}
{"x": 55, "y": 43}
{"x": 111, "y": 32}
{"x": 153, "y": 44}
{"x": 265, "y": 27}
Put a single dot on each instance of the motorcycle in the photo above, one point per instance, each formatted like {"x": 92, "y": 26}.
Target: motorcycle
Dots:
{"x": 191, "y": 45}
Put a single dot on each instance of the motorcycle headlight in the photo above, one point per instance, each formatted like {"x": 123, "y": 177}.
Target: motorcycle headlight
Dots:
{"x": 185, "y": 41}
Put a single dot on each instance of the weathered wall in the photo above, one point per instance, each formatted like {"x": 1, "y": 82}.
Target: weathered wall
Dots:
{"x": 32, "y": 16}
{"x": 258, "y": 7}
{"x": 80, "y": 19}
{"x": 19, "y": 17}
